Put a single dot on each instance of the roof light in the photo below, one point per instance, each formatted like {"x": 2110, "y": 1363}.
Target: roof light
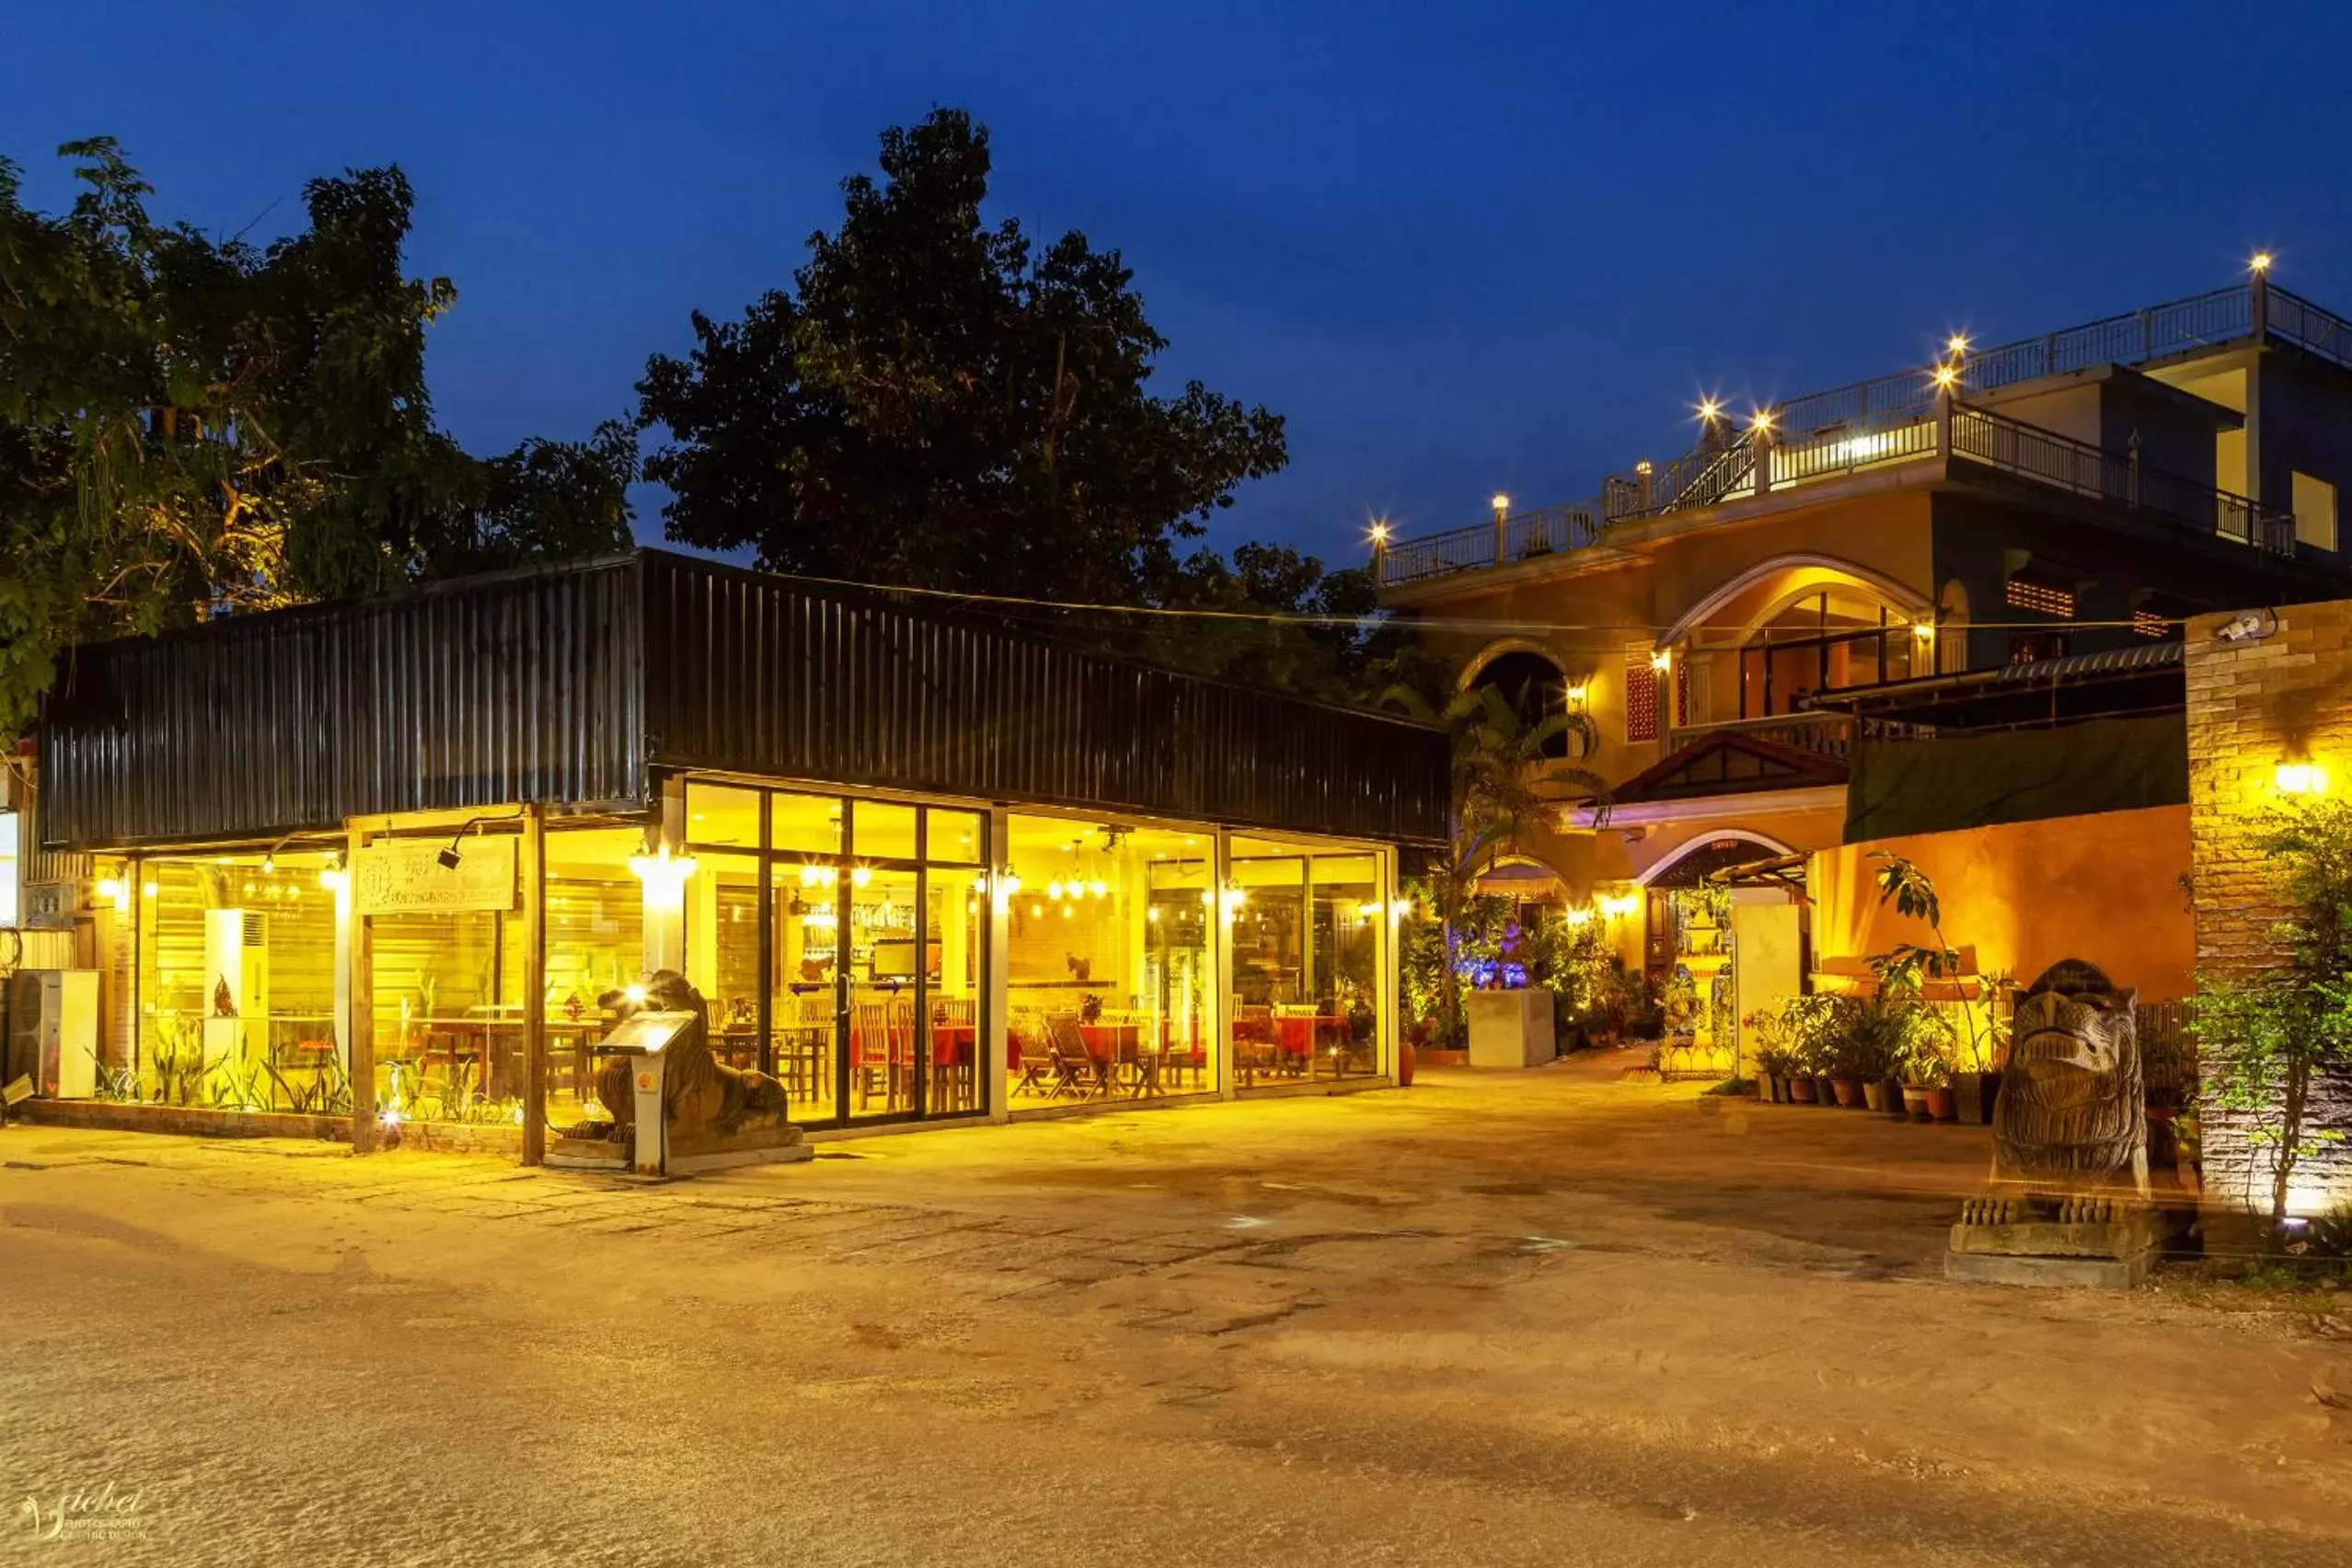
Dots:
{"x": 1709, "y": 410}
{"x": 1501, "y": 503}
{"x": 2260, "y": 261}
{"x": 1958, "y": 343}
{"x": 1761, "y": 419}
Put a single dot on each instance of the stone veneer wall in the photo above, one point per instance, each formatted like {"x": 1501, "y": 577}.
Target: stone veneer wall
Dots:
{"x": 2284, "y": 697}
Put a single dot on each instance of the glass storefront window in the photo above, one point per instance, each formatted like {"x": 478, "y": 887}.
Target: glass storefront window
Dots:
{"x": 806, "y": 824}
{"x": 720, "y": 814}
{"x": 237, "y": 980}
{"x": 1306, "y": 924}
{"x": 1111, "y": 977}
{"x": 956, "y": 838}
{"x": 882, "y": 831}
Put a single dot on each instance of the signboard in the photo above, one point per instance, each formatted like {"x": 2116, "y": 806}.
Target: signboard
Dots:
{"x": 645, "y": 1033}
{"x": 404, "y": 876}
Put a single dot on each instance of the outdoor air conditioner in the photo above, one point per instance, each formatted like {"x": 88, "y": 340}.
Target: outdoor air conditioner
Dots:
{"x": 52, "y": 1032}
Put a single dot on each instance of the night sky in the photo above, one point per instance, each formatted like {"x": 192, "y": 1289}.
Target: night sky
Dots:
{"x": 1462, "y": 247}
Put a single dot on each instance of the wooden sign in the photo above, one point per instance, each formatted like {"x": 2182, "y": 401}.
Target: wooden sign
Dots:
{"x": 404, "y": 876}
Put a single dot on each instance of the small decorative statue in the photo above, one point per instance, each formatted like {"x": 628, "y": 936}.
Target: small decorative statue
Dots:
{"x": 2072, "y": 1113}
{"x": 223, "y": 1004}
{"x": 700, "y": 1094}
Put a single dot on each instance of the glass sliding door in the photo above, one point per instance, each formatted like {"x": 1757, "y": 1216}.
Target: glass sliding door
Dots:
{"x": 886, "y": 949}
{"x": 804, "y": 950}
{"x": 854, "y": 930}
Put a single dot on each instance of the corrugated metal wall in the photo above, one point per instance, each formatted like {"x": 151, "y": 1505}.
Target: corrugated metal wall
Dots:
{"x": 761, "y": 675}
{"x": 518, "y": 688}
{"x": 570, "y": 686}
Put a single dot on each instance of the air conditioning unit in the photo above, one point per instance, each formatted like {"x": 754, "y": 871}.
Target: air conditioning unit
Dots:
{"x": 53, "y": 1032}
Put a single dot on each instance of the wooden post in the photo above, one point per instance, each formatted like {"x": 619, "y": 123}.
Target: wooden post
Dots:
{"x": 361, "y": 1046}
{"x": 1220, "y": 927}
{"x": 535, "y": 985}
{"x": 996, "y": 971}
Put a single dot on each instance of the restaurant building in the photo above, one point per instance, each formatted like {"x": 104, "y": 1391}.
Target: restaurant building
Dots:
{"x": 380, "y": 864}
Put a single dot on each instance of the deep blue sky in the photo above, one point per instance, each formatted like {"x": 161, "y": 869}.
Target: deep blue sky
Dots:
{"x": 1463, "y": 247}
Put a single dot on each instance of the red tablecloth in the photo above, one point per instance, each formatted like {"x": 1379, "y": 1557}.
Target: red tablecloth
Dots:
{"x": 950, "y": 1043}
{"x": 1298, "y": 1035}
{"x": 1112, "y": 1041}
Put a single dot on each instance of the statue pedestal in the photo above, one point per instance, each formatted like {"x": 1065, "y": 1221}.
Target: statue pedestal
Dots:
{"x": 778, "y": 1143}
{"x": 2068, "y": 1242}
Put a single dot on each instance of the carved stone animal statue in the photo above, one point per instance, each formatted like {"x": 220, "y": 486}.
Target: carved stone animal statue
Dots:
{"x": 700, "y": 1092}
{"x": 2072, "y": 1113}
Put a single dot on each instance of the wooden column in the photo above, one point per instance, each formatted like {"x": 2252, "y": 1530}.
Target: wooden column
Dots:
{"x": 362, "y": 971}
{"x": 1220, "y": 925}
{"x": 996, "y": 983}
{"x": 535, "y": 985}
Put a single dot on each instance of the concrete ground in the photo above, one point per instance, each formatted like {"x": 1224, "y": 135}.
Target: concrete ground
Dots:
{"x": 1543, "y": 1318}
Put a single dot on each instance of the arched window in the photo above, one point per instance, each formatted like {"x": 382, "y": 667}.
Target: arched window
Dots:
{"x": 1827, "y": 638}
{"x": 1535, "y": 687}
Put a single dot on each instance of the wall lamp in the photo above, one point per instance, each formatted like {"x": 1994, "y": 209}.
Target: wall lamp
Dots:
{"x": 2299, "y": 778}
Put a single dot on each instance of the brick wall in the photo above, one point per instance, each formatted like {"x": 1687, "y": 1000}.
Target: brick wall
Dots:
{"x": 2284, "y": 697}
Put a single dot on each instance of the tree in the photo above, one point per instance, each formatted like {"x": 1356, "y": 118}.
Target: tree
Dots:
{"x": 937, "y": 403}
{"x": 2266, "y": 1040}
{"x": 191, "y": 426}
{"x": 1498, "y": 761}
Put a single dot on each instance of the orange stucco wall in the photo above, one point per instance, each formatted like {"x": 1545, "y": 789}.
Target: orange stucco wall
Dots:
{"x": 2105, "y": 888}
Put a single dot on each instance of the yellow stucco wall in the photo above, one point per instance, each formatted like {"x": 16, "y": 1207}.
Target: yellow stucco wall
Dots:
{"x": 2104, "y": 888}
{"x": 1673, "y": 567}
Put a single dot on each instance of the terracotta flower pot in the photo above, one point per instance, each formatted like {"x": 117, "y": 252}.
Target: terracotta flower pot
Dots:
{"x": 1915, "y": 1100}
{"x": 1874, "y": 1095}
{"x": 1404, "y": 1063}
{"x": 1941, "y": 1105}
{"x": 1849, "y": 1091}
{"x": 1799, "y": 1091}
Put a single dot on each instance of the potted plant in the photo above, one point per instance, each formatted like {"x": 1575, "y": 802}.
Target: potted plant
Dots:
{"x": 1924, "y": 1061}
{"x": 1870, "y": 1048}
{"x": 1969, "y": 1076}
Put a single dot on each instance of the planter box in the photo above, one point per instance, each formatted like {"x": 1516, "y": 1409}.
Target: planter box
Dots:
{"x": 1510, "y": 1029}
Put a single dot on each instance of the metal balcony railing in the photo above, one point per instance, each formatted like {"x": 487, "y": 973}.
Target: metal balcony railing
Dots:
{"x": 1823, "y": 734}
{"x": 1891, "y": 420}
{"x": 1523, "y": 536}
{"x": 2120, "y": 479}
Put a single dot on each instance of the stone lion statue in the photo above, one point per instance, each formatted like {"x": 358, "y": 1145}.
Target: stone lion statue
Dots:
{"x": 2072, "y": 1110}
{"x": 700, "y": 1092}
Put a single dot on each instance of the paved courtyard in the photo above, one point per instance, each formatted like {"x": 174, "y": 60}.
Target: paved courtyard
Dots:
{"x": 1546, "y": 1318}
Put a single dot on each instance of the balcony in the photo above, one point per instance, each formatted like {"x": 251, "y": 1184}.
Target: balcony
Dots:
{"x": 1913, "y": 420}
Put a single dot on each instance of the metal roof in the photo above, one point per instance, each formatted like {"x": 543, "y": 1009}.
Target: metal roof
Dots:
{"x": 577, "y": 686}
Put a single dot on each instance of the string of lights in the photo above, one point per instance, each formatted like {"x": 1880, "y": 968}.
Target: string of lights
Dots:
{"x": 1382, "y": 618}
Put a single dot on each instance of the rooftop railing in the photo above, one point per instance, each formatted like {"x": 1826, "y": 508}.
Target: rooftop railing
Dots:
{"x": 1890, "y": 420}
{"x": 2120, "y": 479}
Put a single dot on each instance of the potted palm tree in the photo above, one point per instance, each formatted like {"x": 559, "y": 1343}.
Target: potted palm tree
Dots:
{"x": 1502, "y": 749}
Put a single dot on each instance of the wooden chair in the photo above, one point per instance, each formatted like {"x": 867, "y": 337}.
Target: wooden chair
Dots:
{"x": 871, "y": 1058}
{"x": 956, "y": 1072}
{"x": 1075, "y": 1068}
